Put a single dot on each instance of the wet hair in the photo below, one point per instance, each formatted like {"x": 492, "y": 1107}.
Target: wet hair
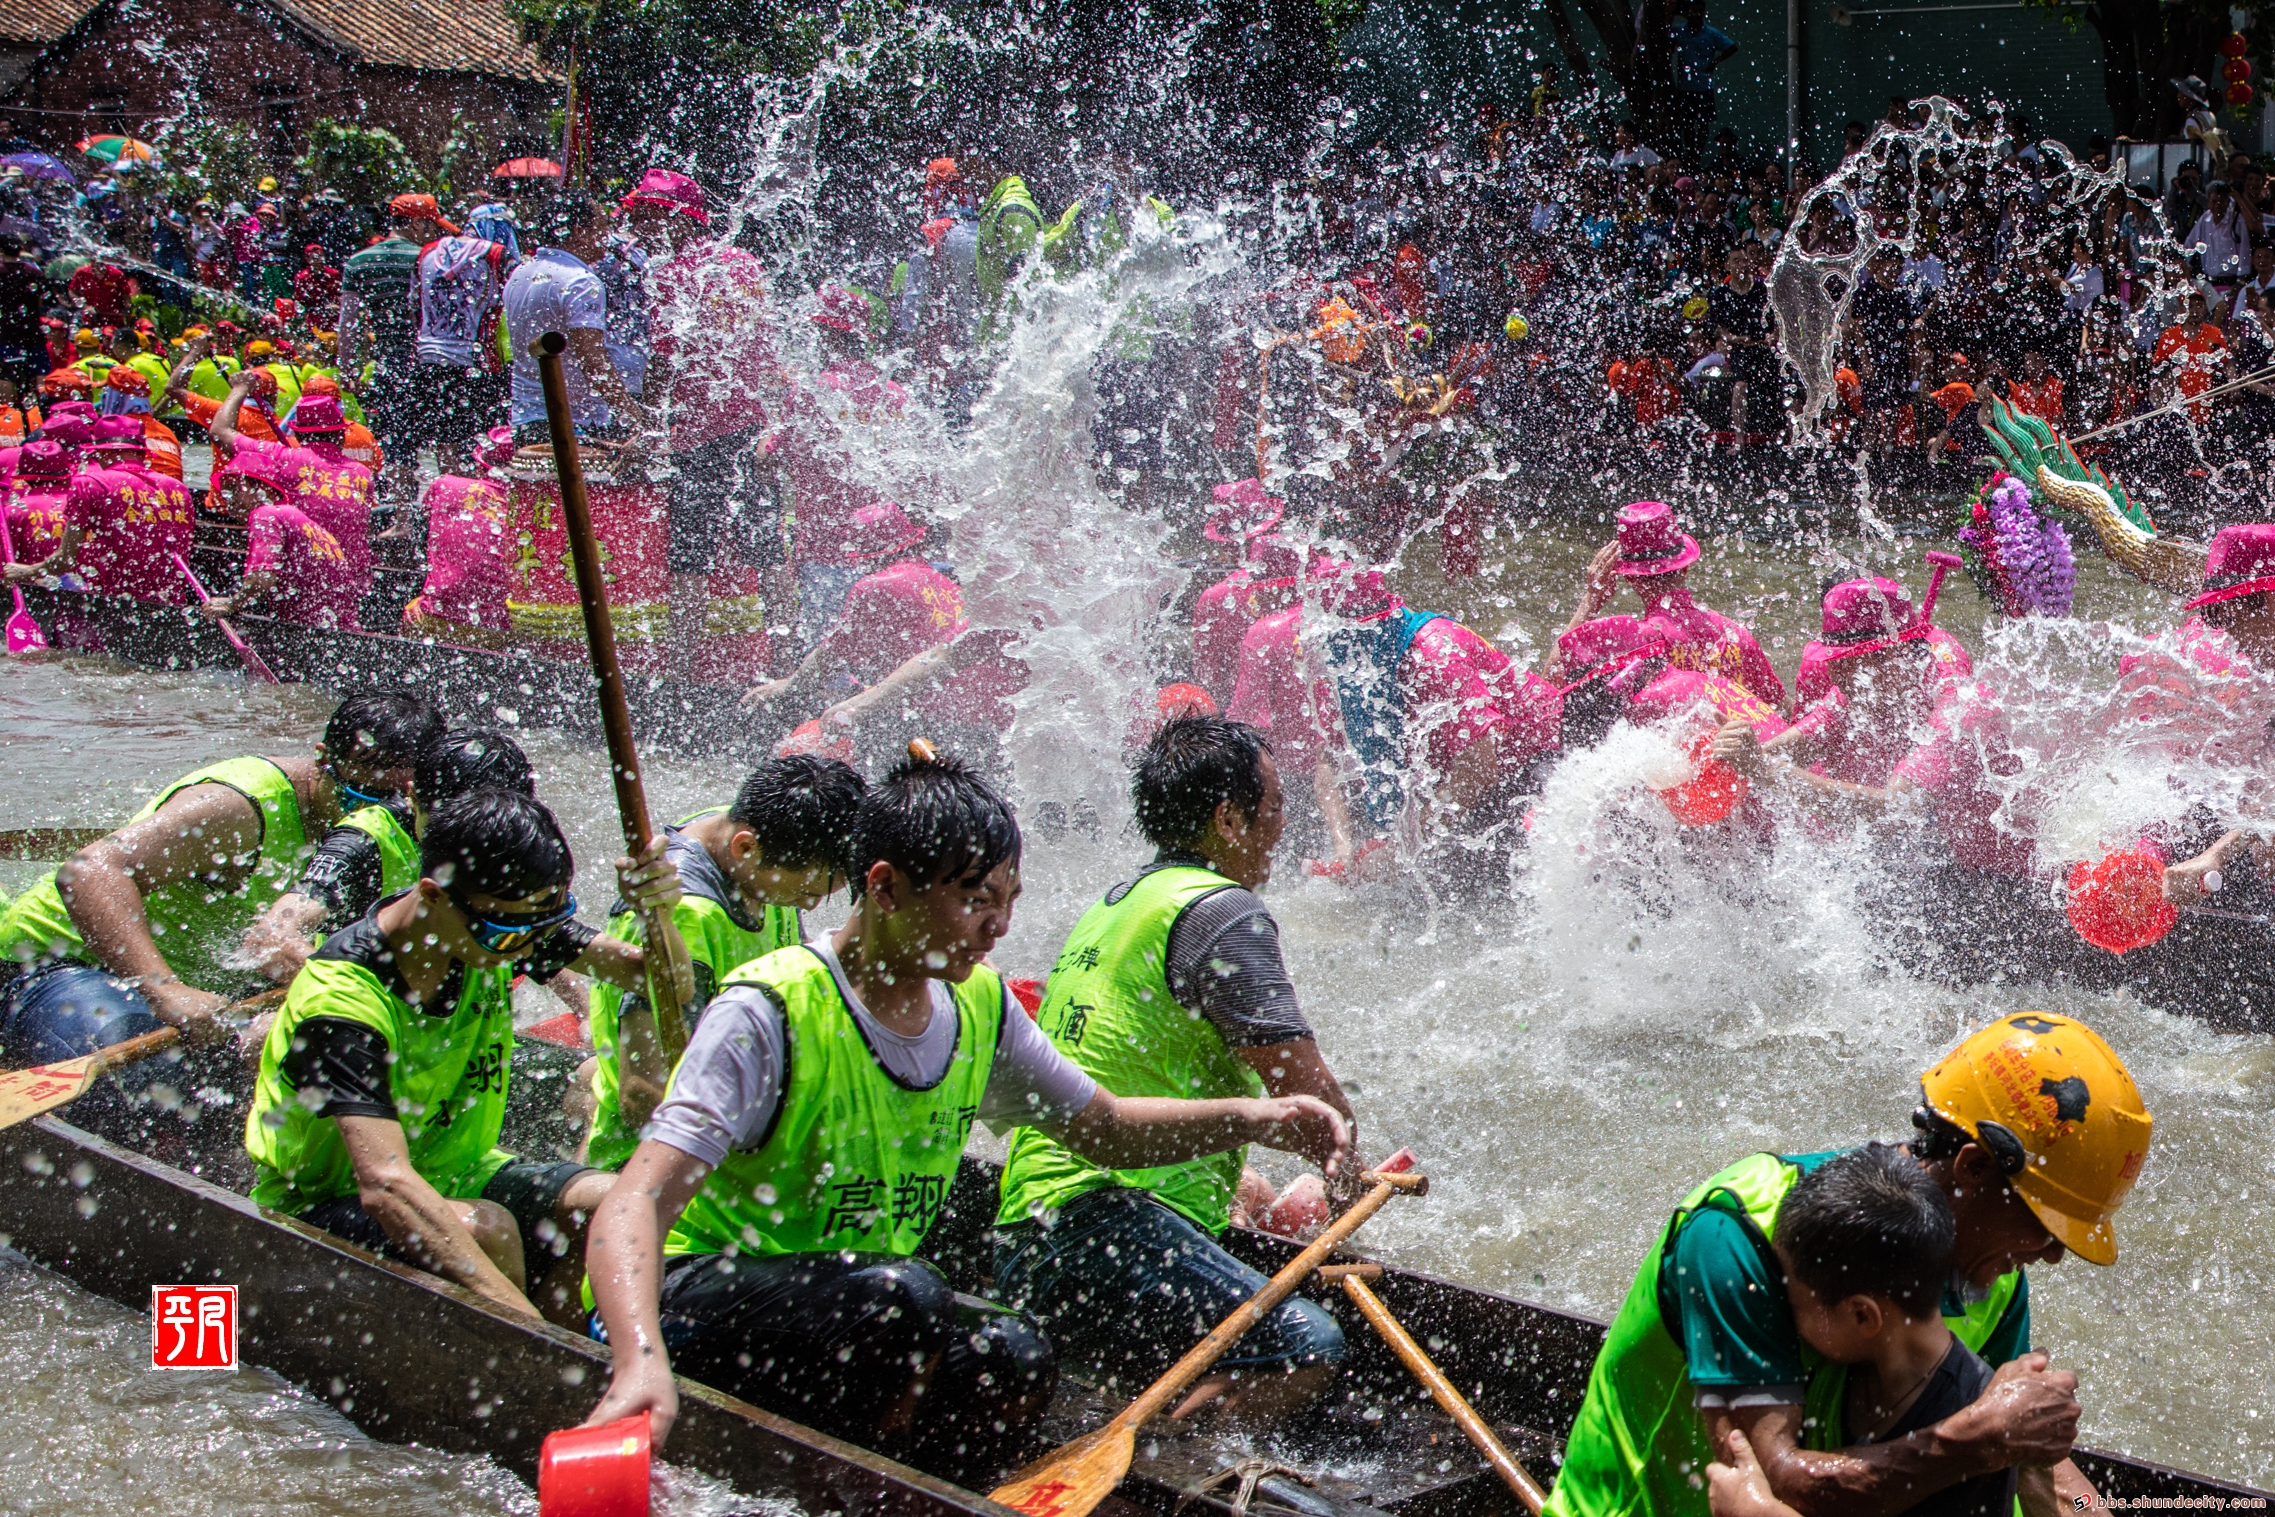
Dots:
{"x": 472, "y": 758}
{"x": 495, "y": 843}
{"x": 934, "y": 820}
{"x": 564, "y": 216}
{"x": 1872, "y": 1222}
{"x": 1194, "y": 764}
{"x": 384, "y": 729}
{"x": 802, "y": 810}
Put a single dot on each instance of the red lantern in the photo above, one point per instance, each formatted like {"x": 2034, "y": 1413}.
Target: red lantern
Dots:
{"x": 2236, "y": 70}
{"x": 2235, "y": 46}
{"x": 2239, "y": 94}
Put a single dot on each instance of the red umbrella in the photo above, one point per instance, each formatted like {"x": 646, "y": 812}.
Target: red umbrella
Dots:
{"x": 527, "y": 168}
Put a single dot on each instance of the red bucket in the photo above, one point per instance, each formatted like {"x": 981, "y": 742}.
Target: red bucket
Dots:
{"x": 1711, "y": 793}
{"x": 2119, "y": 903}
{"x": 595, "y": 1471}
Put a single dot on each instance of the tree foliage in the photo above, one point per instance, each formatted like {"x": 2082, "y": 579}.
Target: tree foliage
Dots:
{"x": 365, "y": 164}
{"x": 222, "y": 160}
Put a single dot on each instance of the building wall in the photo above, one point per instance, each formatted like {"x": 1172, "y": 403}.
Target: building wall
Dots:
{"x": 135, "y": 72}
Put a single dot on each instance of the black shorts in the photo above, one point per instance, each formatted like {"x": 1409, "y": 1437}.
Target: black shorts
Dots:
{"x": 721, "y": 499}
{"x": 1756, "y": 368}
{"x": 836, "y": 1341}
{"x": 529, "y": 1189}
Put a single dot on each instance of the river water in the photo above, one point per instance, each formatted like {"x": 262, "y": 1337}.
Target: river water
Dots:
{"x": 1567, "y": 1060}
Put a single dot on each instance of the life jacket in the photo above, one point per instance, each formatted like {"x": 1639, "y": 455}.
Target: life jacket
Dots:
{"x": 17, "y": 423}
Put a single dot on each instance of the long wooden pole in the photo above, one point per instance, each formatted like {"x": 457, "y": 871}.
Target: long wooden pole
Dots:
{"x": 1453, "y": 1402}
{"x": 615, "y": 715}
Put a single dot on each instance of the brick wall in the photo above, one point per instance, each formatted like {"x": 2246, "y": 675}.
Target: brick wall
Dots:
{"x": 137, "y": 71}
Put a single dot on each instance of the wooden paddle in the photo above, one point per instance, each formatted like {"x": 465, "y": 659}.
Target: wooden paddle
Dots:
{"x": 615, "y": 715}
{"x": 43, "y": 843}
{"x": 1354, "y": 1278}
{"x": 261, "y": 672}
{"x": 27, "y": 1093}
{"x": 1072, "y": 1480}
{"x": 23, "y": 633}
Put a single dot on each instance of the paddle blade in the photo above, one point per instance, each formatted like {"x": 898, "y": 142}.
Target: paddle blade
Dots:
{"x": 24, "y": 634}
{"x": 2119, "y": 903}
{"x": 27, "y": 1093}
{"x": 1072, "y": 1480}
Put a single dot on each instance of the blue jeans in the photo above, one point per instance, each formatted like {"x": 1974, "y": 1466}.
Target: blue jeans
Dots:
{"x": 1126, "y": 1286}
{"x": 64, "y": 1009}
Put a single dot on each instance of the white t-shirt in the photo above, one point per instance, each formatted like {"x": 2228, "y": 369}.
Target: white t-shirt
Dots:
{"x": 553, "y": 291}
{"x": 456, "y": 290}
{"x": 729, "y": 1083}
{"x": 1636, "y": 157}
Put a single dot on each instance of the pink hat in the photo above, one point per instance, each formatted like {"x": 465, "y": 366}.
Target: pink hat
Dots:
{"x": 1603, "y": 647}
{"x": 881, "y": 529}
{"x": 86, "y": 408}
{"x": 73, "y": 431}
{"x": 1649, "y": 543}
{"x": 672, "y": 192}
{"x": 1272, "y": 558}
{"x": 43, "y": 460}
{"x": 841, "y": 310}
{"x": 1242, "y": 511}
{"x": 2241, "y": 562}
{"x": 1352, "y": 593}
{"x": 1864, "y": 616}
{"x": 117, "y": 434}
{"x": 494, "y": 448}
{"x": 318, "y": 413}
{"x": 254, "y": 467}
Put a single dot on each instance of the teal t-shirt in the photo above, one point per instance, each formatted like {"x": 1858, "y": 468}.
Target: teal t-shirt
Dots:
{"x": 1737, "y": 1331}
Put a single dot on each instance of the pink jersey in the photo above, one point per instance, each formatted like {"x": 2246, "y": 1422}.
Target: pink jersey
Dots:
{"x": 1711, "y": 643}
{"x": 1969, "y": 748}
{"x": 314, "y": 585}
{"x": 132, "y": 521}
{"x": 1712, "y": 697}
{"x": 1222, "y": 617}
{"x": 706, "y": 309}
{"x": 469, "y": 550}
{"x": 36, "y": 518}
{"x": 897, "y": 613}
{"x": 811, "y": 448}
{"x": 332, "y": 489}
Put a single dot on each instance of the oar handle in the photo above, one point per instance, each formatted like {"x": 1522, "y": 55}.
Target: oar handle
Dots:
{"x": 1452, "y": 1401}
{"x": 1165, "y": 1391}
{"x": 600, "y": 641}
{"x": 133, "y": 1050}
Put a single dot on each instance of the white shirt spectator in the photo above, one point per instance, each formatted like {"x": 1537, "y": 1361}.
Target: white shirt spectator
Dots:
{"x": 2225, "y": 244}
{"x": 2084, "y": 284}
{"x": 1636, "y": 157}
{"x": 554, "y": 291}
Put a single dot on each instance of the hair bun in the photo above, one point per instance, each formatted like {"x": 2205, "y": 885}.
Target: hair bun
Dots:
{"x": 921, "y": 751}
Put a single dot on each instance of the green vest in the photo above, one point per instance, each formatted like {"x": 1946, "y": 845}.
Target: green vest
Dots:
{"x": 194, "y": 926}
{"x": 1639, "y": 1447}
{"x": 287, "y": 384}
{"x": 210, "y": 376}
{"x": 153, "y": 368}
{"x": 715, "y": 942}
{"x": 1108, "y": 1008}
{"x": 1009, "y": 227}
{"x": 855, "y": 1159}
{"x": 448, "y": 1080}
{"x": 398, "y": 850}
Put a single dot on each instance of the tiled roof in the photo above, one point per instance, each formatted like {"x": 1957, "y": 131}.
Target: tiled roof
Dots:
{"x": 452, "y": 36}
{"x": 40, "y": 20}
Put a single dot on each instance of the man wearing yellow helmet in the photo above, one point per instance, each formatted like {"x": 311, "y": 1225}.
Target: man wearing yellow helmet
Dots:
{"x": 2035, "y": 1133}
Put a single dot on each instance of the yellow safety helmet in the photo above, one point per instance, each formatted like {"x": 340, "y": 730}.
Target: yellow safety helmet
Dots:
{"x": 2054, "y": 1105}
{"x": 1516, "y": 327}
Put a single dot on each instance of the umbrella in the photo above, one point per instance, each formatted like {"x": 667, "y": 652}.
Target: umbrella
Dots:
{"x": 40, "y": 166}
{"x": 527, "y": 168}
{"x": 113, "y": 149}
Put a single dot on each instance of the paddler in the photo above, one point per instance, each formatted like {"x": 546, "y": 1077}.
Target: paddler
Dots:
{"x": 39, "y": 499}
{"x": 1173, "y": 984}
{"x": 374, "y": 851}
{"x": 1653, "y": 555}
{"x": 746, "y": 872}
{"x": 333, "y": 490}
{"x": 773, "y": 1208}
{"x": 902, "y": 642}
{"x": 294, "y": 569}
{"x": 124, "y": 522}
{"x": 192, "y": 869}
{"x": 1241, "y": 518}
{"x": 2035, "y": 1132}
{"x": 382, "y": 1087}
{"x": 126, "y": 392}
{"x": 470, "y": 538}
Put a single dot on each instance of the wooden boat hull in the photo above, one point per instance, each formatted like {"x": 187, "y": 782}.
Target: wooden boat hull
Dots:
{"x": 409, "y": 1357}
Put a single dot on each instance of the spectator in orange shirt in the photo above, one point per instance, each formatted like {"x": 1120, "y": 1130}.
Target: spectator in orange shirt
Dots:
{"x": 2192, "y": 354}
{"x": 1956, "y": 395}
{"x": 2038, "y": 392}
{"x": 1646, "y": 382}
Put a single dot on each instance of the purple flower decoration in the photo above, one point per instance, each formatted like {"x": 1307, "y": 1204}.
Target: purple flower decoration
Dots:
{"x": 2029, "y": 558}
